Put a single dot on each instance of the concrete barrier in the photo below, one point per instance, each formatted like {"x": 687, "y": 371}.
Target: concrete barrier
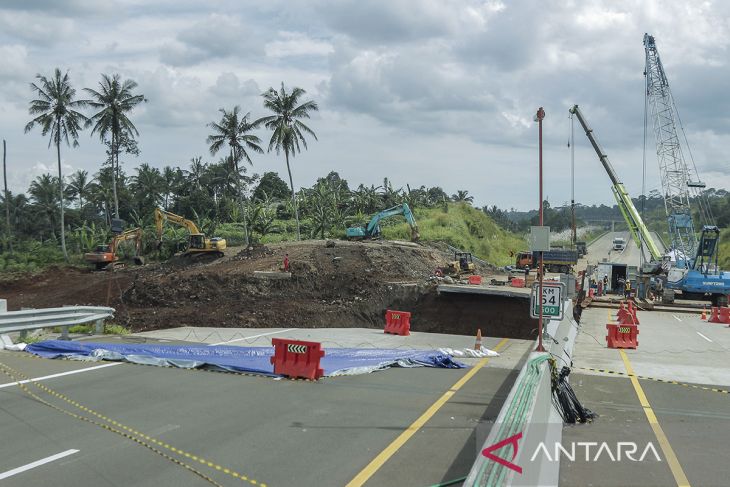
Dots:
{"x": 528, "y": 418}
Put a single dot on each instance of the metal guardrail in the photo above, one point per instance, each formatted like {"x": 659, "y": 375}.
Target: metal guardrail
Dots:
{"x": 64, "y": 317}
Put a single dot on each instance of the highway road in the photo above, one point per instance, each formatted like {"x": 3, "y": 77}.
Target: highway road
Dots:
{"x": 678, "y": 404}
{"x": 420, "y": 426}
{"x": 603, "y": 249}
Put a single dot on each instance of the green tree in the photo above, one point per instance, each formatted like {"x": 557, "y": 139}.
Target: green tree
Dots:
{"x": 234, "y": 131}
{"x": 148, "y": 186}
{"x": 80, "y": 185}
{"x": 55, "y": 112}
{"x": 287, "y": 128}
{"x": 114, "y": 100}
{"x": 462, "y": 196}
{"x": 271, "y": 186}
{"x": 44, "y": 191}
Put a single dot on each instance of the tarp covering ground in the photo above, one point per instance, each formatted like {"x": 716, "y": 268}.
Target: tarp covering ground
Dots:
{"x": 337, "y": 361}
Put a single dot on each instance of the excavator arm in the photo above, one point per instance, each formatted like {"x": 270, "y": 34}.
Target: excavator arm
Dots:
{"x": 161, "y": 216}
{"x": 404, "y": 210}
{"x": 133, "y": 234}
{"x": 638, "y": 229}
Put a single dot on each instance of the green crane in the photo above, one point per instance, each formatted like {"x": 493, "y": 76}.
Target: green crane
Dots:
{"x": 636, "y": 225}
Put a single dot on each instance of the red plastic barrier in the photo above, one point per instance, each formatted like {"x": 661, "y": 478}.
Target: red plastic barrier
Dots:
{"x": 628, "y": 316}
{"x": 398, "y": 322}
{"x": 622, "y": 336}
{"x": 517, "y": 282}
{"x": 295, "y": 358}
{"x": 475, "y": 280}
{"x": 715, "y": 315}
{"x": 725, "y": 315}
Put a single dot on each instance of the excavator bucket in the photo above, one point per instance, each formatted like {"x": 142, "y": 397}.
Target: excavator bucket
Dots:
{"x": 139, "y": 260}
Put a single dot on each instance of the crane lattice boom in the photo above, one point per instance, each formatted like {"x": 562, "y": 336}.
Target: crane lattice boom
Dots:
{"x": 675, "y": 175}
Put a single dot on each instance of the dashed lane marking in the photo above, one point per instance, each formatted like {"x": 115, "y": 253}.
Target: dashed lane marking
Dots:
{"x": 644, "y": 377}
{"x": 703, "y": 336}
{"x": 53, "y": 376}
{"x": 113, "y": 426}
{"x": 37, "y": 463}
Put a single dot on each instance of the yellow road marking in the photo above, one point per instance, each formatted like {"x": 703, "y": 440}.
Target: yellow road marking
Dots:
{"x": 669, "y": 454}
{"x": 395, "y": 445}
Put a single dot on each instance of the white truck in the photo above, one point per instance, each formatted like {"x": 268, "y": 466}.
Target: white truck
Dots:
{"x": 619, "y": 244}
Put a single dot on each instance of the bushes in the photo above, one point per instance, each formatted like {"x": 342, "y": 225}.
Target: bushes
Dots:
{"x": 463, "y": 227}
{"x": 31, "y": 257}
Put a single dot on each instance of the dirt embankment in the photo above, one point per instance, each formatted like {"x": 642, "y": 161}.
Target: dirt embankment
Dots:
{"x": 350, "y": 284}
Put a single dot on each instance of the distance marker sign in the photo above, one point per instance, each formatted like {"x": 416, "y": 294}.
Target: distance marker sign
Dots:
{"x": 552, "y": 300}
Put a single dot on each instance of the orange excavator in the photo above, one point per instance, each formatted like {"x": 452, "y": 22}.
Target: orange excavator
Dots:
{"x": 105, "y": 256}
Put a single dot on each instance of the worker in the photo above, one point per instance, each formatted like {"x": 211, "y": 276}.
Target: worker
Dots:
{"x": 527, "y": 273}
{"x": 286, "y": 262}
{"x": 605, "y": 283}
{"x": 627, "y": 287}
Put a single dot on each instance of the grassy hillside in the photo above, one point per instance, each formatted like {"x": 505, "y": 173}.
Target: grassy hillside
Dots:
{"x": 725, "y": 249}
{"x": 461, "y": 226}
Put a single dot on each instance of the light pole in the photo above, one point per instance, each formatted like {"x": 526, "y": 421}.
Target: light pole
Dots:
{"x": 540, "y": 115}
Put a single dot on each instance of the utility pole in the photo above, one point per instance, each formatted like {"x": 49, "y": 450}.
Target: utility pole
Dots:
{"x": 7, "y": 201}
{"x": 540, "y": 348}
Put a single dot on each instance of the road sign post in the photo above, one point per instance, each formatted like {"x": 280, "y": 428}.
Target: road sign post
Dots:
{"x": 538, "y": 118}
{"x": 553, "y": 295}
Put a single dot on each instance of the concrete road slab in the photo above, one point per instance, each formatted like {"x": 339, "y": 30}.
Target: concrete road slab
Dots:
{"x": 279, "y": 432}
{"x": 669, "y": 348}
{"x": 621, "y": 419}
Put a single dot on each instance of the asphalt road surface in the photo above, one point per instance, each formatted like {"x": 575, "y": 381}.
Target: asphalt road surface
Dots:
{"x": 603, "y": 249}
{"x": 273, "y": 432}
{"x": 688, "y": 423}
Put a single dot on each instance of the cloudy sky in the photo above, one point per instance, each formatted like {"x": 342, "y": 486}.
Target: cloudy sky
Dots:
{"x": 430, "y": 92}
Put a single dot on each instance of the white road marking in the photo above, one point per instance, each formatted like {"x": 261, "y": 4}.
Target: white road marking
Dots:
{"x": 253, "y": 336}
{"x": 703, "y": 336}
{"x": 71, "y": 372}
{"x": 677, "y": 318}
{"x": 37, "y": 463}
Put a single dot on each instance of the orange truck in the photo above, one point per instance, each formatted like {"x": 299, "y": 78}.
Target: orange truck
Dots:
{"x": 554, "y": 260}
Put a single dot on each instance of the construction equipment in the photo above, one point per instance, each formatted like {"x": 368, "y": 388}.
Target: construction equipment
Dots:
{"x": 636, "y": 225}
{"x": 554, "y": 260}
{"x": 372, "y": 229}
{"x": 694, "y": 284}
{"x": 696, "y": 272}
{"x": 198, "y": 243}
{"x": 463, "y": 263}
{"x": 105, "y": 256}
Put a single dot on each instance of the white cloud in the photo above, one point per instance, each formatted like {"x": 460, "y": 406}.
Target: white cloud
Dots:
{"x": 297, "y": 44}
{"x": 406, "y": 88}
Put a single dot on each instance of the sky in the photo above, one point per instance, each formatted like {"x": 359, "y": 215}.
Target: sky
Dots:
{"x": 431, "y": 92}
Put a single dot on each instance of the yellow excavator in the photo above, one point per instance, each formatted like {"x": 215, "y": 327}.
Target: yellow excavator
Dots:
{"x": 198, "y": 243}
{"x": 105, "y": 256}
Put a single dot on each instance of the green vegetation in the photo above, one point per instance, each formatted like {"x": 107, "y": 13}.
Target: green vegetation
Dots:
{"x": 464, "y": 227}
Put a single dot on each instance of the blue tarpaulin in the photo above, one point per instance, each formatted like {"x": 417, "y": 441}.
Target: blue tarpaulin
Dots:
{"x": 337, "y": 361}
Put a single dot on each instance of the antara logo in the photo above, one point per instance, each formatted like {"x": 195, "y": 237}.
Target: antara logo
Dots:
{"x": 623, "y": 450}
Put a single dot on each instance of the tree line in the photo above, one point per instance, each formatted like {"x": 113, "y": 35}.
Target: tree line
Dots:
{"x": 59, "y": 114}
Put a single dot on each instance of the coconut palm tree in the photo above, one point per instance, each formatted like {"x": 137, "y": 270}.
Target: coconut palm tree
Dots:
{"x": 287, "y": 128}
{"x": 44, "y": 191}
{"x": 80, "y": 185}
{"x": 55, "y": 112}
{"x": 462, "y": 196}
{"x": 234, "y": 131}
{"x": 114, "y": 100}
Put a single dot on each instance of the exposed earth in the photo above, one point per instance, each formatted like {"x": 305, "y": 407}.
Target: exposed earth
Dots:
{"x": 348, "y": 285}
